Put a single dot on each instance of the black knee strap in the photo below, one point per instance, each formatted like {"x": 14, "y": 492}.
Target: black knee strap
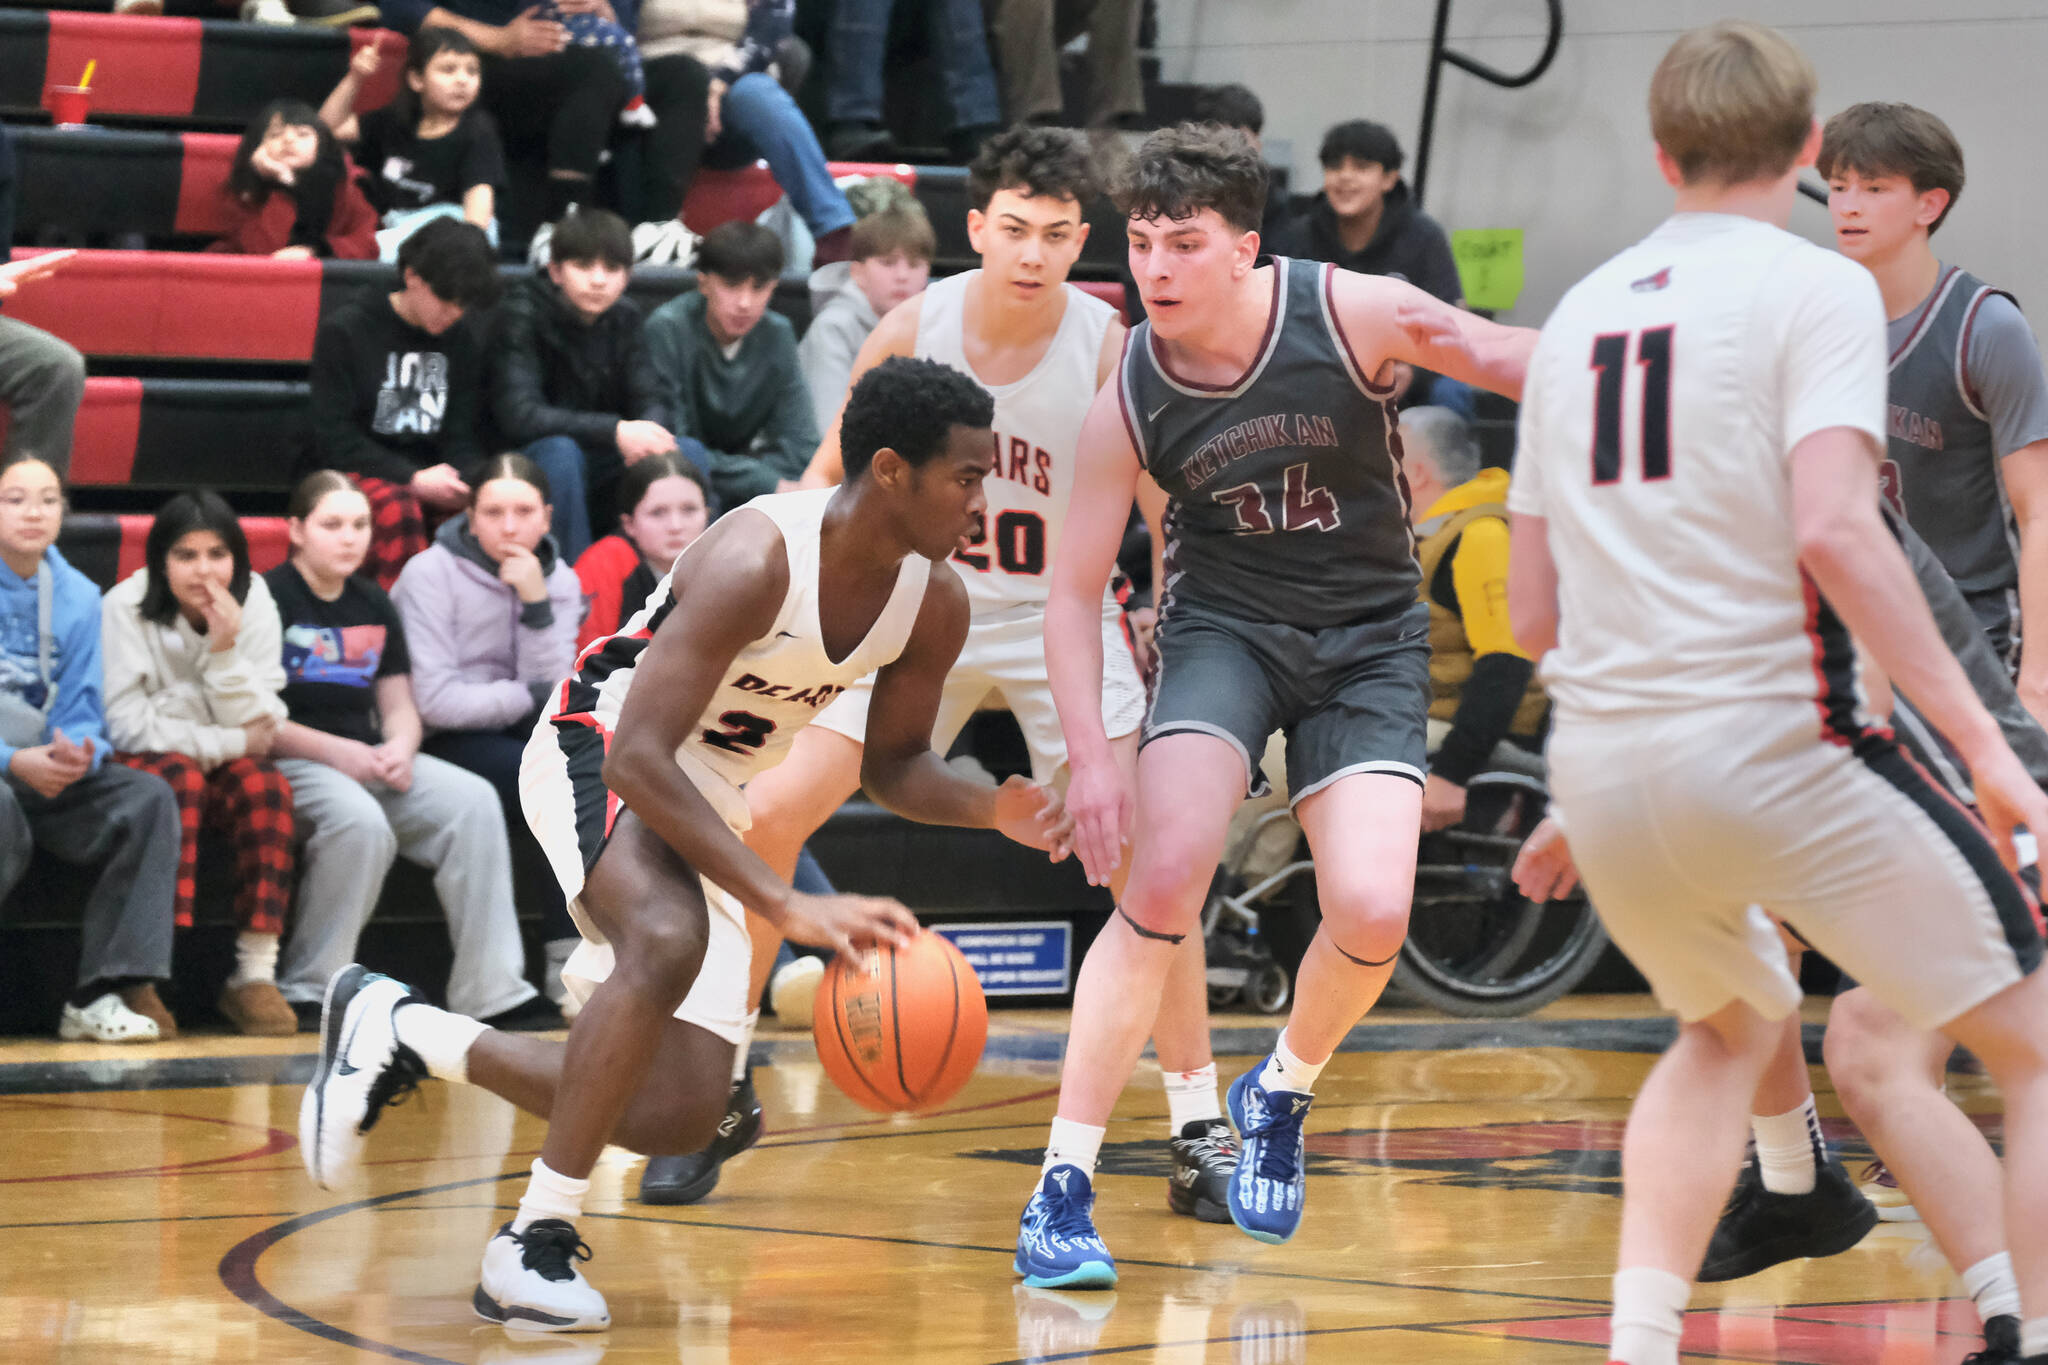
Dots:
{"x": 1363, "y": 962}
{"x": 1142, "y": 932}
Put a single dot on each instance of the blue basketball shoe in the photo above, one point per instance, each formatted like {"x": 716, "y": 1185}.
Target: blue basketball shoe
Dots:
{"x": 1057, "y": 1245}
{"x": 1271, "y": 1183}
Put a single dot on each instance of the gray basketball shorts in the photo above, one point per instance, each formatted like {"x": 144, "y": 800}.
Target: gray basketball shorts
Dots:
{"x": 1349, "y": 699}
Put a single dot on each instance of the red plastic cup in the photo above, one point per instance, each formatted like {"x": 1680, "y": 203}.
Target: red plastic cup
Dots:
{"x": 68, "y": 104}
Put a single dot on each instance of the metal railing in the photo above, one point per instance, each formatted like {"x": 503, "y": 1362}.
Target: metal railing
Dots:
{"x": 1439, "y": 54}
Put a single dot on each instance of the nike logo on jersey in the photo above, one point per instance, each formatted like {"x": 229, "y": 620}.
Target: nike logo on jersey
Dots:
{"x": 787, "y": 635}
{"x": 1153, "y": 415}
{"x": 1650, "y": 284}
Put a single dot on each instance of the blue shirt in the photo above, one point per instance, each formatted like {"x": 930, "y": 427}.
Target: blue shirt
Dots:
{"x": 80, "y": 711}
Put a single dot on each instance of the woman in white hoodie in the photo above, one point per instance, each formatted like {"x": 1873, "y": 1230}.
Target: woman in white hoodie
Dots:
{"x": 193, "y": 672}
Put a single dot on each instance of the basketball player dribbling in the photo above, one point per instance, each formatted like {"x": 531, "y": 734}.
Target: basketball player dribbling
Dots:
{"x": 1042, "y": 347}
{"x": 1701, "y": 434}
{"x": 633, "y": 791}
{"x": 1255, "y": 397}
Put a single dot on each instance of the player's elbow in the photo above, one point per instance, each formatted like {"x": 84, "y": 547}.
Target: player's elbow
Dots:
{"x": 629, "y": 768}
{"x": 1829, "y": 534}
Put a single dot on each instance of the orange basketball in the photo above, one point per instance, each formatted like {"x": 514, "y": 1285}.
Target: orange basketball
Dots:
{"x": 901, "y": 1028}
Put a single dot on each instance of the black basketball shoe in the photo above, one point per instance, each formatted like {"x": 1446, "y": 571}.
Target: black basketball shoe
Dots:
{"x": 2001, "y": 1343}
{"x": 688, "y": 1178}
{"x": 1204, "y": 1159}
{"x": 1760, "y": 1229}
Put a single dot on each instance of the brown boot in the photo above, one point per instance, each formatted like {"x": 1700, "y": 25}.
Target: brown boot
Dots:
{"x": 257, "y": 1009}
{"x": 144, "y": 1000}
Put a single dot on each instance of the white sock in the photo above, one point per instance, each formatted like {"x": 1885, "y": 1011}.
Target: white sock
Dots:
{"x": 1649, "y": 1312}
{"x": 741, "y": 1048}
{"x": 1784, "y": 1148}
{"x": 550, "y": 1194}
{"x": 442, "y": 1039}
{"x": 1190, "y": 1096}
{"x": 255, "y": 958}
{"x": 2034, "y": 1338}
{"x": 1285, "y": 1071}
{"x": 1072, "y": 1144}
{"x": 1992, "y": 1286}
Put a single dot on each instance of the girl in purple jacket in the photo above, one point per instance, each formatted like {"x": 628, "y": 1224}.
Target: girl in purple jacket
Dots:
{"x": 491, "y": 614}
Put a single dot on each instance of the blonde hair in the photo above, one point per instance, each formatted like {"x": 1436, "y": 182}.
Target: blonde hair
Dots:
{"x": 1732, "y": 102}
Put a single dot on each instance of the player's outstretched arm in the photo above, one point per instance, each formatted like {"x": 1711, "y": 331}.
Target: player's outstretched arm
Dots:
{"x": 1857, "y": 565}
{"x": 898, "y": 767}
{"x": 895, "y": 334}
{"x": 1105, "y": 480}
{"x": 1387, "y": 319}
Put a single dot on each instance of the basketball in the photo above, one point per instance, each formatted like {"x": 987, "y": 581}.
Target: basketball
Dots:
{"x": 901, "y": 1028}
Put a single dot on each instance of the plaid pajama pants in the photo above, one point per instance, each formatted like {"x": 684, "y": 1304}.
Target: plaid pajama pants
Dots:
{"x": 399, "y": 527}
{"x": 248, "y": 800}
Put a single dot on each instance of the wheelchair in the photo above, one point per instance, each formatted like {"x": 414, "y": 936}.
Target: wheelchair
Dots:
{"x": 1476, "y": 946}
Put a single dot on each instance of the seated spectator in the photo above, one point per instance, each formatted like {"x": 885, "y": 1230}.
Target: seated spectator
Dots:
{"x": 663, "y": 507}
{"x": 600, "y": 28}
{"x": 1483, "y": 687}
{"x": 729, "y": 371}
{"x": 1366, "y": 220}
{"x": 891, "y": 260}
{"x": 42, "y": 379}
{"x": 853, "y": 85}
{"x": 571, "y": 380}
{"x": 431, "y": 152}
{"x": 555, "y": 102}
{"x": 712, "y": 82}
{"x": 491, "y": 612}
{"x": 193, "y": 674}
{"x": 291, "y": 191}
{"x": 397, "y": 381}
{"x": 364, "y": 793}
{"x": 61, "y": 795}
{"x": 1028, "y": 36}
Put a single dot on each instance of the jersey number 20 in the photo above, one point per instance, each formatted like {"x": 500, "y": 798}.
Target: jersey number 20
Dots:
{"x": 1019, "y": 547}
{"x": 1610, "y": 360}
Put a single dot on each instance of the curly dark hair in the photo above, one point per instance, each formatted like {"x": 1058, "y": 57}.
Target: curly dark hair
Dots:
{"x": 204, "y": 510}
{"x": 1180, "y": 171}
{"x": 1053, "y": 162}
{"x": 910, "y": 406}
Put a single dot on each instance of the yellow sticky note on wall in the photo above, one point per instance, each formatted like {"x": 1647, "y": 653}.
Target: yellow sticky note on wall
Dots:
{"x": 1489, "y": 265}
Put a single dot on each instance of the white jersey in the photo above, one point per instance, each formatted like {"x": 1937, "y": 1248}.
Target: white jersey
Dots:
{"x": 1037, "y": 424}
{"x": 776, "y": 685}
{"x": 1662, "y": 404}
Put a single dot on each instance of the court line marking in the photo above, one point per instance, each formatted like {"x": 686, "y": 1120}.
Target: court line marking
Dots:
{"x": 279, "y": 1141}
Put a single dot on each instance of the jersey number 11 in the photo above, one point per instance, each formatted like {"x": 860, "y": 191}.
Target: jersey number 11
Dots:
{"x": 1610, "y": 361}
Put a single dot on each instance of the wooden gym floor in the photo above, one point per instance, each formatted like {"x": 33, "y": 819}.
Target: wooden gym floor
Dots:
{"x": 1462, "y": 1208}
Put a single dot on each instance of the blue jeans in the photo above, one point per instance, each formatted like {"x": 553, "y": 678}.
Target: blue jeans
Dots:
{"x": 761, "y": 120}
{"x": 561, "y": 458}
{"x": 860, "y": 35}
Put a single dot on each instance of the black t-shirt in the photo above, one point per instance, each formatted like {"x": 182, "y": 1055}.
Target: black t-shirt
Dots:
{"x": 405, "y": 171}
{"x": 334, "y": 652}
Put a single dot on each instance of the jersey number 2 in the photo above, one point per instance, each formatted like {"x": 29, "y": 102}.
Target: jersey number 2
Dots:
{"x": 744, "y": 732}
{"x": 1610, "y": 360}
{"x": 1304, "y": 506}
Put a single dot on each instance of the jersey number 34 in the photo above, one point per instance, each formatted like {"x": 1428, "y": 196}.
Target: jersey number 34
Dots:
{"x": 1303, "y": 506}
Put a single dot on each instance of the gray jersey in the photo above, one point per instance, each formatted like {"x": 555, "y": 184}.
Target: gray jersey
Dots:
{"x": 1966, "y": 390}
{"x": 1288, "y": 501}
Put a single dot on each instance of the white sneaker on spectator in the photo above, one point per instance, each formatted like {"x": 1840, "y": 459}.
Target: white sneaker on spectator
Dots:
{"x": 636, "y": 114}
{"x": 268, "y": 12}
{"x": 794, "y": 989}
{"x": 537, "y": 249}
{"x": 664, "y": 243}
{"x": 106, "y": 1020}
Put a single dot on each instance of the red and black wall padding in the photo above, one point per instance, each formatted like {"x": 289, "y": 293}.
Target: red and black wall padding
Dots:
{"x": 189, "y": 433}
{"x": 107, "y": 548}
{"x": 215, "y": 72}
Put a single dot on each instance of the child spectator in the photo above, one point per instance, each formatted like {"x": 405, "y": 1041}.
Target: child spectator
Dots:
{"x": 193, "y": 672}
{"x": 571, "y": 379}
{"x": 364, "y": 793}
{"x": 491, "y": 612}
{"x": 291, "y": 191}
{"x": 664, "y": 505}
{"x": 1366, "y": 219}
{"x": 729, "y": 371}
{"x": 396, "y": 382}
{"x": 600, "y": 28}
{"x": 431, "y": 152}
{"x": 891, "y": 260}
{"x": 60, "y": 794}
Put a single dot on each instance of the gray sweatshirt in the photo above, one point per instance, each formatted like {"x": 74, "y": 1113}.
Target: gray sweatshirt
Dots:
{"x": 841, "y": 318}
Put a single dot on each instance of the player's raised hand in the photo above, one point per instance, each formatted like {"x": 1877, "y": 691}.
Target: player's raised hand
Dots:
{"x": 1032, "y": 814}
{"x": 1544, "y": 870}
{"x": 1099, "y": 801}
{"x": 2006, "y": 798}
{"x": 844, "y": 923}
